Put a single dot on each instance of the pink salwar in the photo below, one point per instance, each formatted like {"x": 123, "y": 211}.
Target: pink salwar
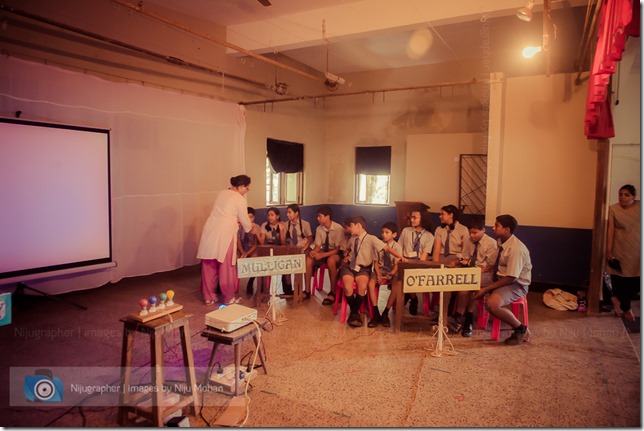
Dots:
{"x": 225, "y": 272}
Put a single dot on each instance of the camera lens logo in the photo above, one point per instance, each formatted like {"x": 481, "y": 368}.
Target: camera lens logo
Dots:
{"x": 43, "y": 387}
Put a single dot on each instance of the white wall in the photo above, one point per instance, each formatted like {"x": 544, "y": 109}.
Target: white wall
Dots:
{"x": 433, "y": 162}
{"x": 547, "y": 166}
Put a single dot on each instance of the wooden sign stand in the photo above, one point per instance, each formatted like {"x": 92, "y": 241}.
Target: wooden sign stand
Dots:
{"x": 441, "y": 280}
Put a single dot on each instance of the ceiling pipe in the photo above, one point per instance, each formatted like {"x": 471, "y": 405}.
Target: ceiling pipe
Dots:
{"x": 169, "y": 59}
{"x": 139, "y": 8}
{"x": 383, "y": 91}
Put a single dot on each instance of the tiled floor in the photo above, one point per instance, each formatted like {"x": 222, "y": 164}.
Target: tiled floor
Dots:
{"x": 578, "y": 370}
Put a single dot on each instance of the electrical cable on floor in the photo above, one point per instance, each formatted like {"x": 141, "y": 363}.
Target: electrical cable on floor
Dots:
{"x": 246, "y": 397}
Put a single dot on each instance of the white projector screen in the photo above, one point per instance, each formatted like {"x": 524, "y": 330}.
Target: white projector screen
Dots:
{"x": 54, "y": 198}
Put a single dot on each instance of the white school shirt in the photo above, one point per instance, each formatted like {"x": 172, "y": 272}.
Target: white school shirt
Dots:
{"x": 221, "y": 226}
{"x": 394, "y": 260}
{"x": 306, "y": 228}
{"x": 406, "y": 241}
{"x": 457, "y": 239}
{"x": 515, "y": 261}
{"x": 368, "y": 248}
{"x": 335, "y": 233}
{"x": 486, "y": 254}
{"x": 268, "y": 229}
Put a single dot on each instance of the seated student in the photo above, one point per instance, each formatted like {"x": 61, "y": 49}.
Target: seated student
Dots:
{"x": 328, "y": 237}
{"x": 449, "y": 239}
{"x": 247, "y": 244}
{"x": 363, "y": 249}
{"x": 298, "y": 232}
{"x": 273, "y": 232}
{"x": 416, "y": 242}
{"x": 385, "y": 273}
{"x": 511, "y": 276}
{"x": 479, "y": 251}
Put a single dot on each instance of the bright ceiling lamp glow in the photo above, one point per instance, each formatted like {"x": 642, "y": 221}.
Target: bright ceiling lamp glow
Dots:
{"x": 530, "y": 51}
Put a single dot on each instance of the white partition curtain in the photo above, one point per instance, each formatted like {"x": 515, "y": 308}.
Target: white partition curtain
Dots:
{"x": 170, "y": 155}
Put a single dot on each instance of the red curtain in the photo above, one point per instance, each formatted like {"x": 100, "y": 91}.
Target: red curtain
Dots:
{"x": 611, "y": 40}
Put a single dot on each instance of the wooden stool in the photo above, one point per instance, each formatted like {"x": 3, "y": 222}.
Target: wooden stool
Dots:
{"x": 233, "y": 339}
{"x": 156, "y": 328}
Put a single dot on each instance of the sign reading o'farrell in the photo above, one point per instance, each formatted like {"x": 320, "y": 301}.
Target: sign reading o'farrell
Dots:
{"x": 271, "y": 265}
{"x": 441, "y": 279}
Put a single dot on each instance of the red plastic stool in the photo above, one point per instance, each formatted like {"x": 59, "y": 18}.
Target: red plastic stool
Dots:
{"x": 496, "y": 323}
{"x": 339, "y": 292}
{"x": 318, "y": 278}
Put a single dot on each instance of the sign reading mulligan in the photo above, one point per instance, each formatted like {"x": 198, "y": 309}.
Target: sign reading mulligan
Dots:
{"x": 271, "y": 265}
{"x": 5, "y": 309}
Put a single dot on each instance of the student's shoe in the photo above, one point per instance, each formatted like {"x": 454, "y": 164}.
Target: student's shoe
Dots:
{"x": 413, "y": 306}
{"x": 288, "y": 290}
{"x": 467, "y": 330}
{"x": 518, "y": 337}
{"x": 307, "y": 295}
{"x": 375, "y": 321}
{"x": 354, "y": 320}
{"x": 209, "y": 302}
{"x": 384, "y": 320}
{"x": 453, "y": 326}
{"x": 328, "y": 300}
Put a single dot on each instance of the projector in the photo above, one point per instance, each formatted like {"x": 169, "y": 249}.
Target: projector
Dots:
{"x": 230, "y": 318}
{"x": 334, "y": 78}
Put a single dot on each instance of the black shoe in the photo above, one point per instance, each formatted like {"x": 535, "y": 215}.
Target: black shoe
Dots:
{"x": 467, "y": 330}
{"x": 328, "y": 300}
{"x": 375, "y": 321}
{"x": 413, "y": 306}
{"x": 307, "y": 295}
{"x": 354, "y": 320}
{"x": 288, "y": 290}
{"x": 518, "y": 337}
{"x": 384, "y": 320}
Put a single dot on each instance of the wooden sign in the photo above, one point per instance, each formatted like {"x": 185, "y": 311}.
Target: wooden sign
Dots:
{"x": 441, "y": 279}
{"x": 271, "y": 265}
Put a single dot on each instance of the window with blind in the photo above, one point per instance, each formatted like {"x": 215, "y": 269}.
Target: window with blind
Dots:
{"x": 373, "y": 169}
{"x": 284, "y": 172}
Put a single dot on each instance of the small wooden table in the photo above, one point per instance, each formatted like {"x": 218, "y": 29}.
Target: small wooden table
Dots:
{"x": 279, "y": 250}
{"x": 156, "y": 328}
{"x": 400, "y": 299}
{"x": 233, "y": 339}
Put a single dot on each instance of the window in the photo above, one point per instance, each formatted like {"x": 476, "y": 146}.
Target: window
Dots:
{"x": 284, "y": 168}
{"x": 373, "y": 169}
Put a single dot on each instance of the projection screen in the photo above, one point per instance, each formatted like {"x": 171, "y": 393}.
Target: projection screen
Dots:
{"x": 54, "y": 198}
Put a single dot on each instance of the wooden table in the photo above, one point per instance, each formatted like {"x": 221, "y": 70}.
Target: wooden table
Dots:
{"x": 156, "y": 328}
{"x": 400, "y": 300}
{"x": 279, "y": 250}
{"x": 233, "y": 339}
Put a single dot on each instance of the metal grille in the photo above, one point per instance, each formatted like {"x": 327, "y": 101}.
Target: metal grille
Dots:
{"x": 472, "y": 182}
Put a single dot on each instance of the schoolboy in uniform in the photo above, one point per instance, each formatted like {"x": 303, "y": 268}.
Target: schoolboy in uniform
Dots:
{"x": 417, "y": 241}
{"x": 363, "y": 250}
{"x": 385, "y": 272}
{"x": 480, "y": 251}
{"x": 511, "y": 277}
{"x": 328, "y": 237}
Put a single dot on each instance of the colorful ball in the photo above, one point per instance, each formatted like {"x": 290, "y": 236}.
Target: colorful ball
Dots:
{"x": 162, "y": 297}
{"x": 170, "y": 294}
{"x": 143, "y": 302}
{"x": 152, "y": 300}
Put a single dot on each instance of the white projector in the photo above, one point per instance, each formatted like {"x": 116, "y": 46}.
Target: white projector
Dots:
{"x": 231, "y": 317}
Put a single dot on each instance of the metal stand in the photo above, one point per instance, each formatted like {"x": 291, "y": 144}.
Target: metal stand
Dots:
{"x": 272, "y": 303}
{"x": 440, "y": 333}
{"x": 20, "y": 290}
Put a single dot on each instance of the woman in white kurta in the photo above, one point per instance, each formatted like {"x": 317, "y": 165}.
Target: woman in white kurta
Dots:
{"x": 218, "y": 245}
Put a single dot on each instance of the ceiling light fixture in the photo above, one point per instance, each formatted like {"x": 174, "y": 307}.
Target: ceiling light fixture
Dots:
{"x": 525, "y": 13}
{"x": 530, "y": 51}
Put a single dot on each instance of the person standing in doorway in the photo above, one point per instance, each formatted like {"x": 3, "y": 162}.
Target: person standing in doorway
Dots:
{"x": 623, "y": 249}
{"x": 218, "y": 245}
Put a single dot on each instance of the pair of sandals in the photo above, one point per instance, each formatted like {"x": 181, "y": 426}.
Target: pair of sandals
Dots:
{"x": 232, "y": 301}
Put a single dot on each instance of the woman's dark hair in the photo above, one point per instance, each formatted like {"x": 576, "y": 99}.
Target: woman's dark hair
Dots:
{"x": 250, "y": 210}
{"x": 240, "y": 180}
{"x": 451, "y": 209}
{"x": 630, "y": 188}
{"x": 275, "y": 211}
